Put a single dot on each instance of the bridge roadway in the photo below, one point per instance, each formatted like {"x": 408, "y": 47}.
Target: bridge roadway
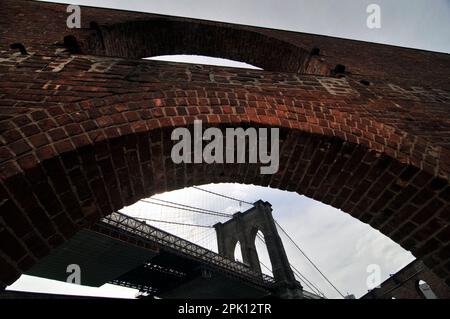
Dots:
{"x": 125, "y": 251}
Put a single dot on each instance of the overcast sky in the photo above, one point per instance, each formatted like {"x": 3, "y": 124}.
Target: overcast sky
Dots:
{"x": 421, "y": 24}
{"x": 340, "y": 245}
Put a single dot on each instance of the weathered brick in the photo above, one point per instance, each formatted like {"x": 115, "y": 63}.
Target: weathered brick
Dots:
{"x": 11, "y": 246}
{"x": 82, "y": 135}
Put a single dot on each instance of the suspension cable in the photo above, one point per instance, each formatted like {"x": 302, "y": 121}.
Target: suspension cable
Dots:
{"x": 175, "y": 223}
{"x": 203, "y": 236}
{"x": 302, "y": 278}
{"x": 215, "y": 213}
{"x": 303, "y": 281}
{"x": 221, "y": 195}
{"x": 190, "y": 209}
{"x": 303, "y": 253}
{"x": 262, "y": 264}
{"x": 306, "y": 281}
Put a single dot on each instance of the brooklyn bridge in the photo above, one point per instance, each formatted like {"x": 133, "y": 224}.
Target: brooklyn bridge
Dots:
{"x": 86, "y": 124}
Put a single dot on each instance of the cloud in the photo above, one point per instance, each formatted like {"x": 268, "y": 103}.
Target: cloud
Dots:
{"x": 340, "y": 245}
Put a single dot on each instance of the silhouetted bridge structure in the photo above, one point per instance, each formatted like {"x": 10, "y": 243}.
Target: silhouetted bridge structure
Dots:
{"x": 85, "y": 128}
{"x": 125, "y": 251}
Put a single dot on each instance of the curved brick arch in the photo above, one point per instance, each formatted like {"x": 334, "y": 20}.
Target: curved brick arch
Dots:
{"x": 157, "y": 36}
{"x": 68, "y": 183}
{"x": 83, "y": 135}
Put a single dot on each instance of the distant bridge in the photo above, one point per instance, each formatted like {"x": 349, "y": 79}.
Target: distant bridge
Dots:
{"x": 125, "y": 251}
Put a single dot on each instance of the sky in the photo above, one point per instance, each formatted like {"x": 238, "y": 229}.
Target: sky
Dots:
{"x": 341, "y": 246}
{"x": 421, "y": 24}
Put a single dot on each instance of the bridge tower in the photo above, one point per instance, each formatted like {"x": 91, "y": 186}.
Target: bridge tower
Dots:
{"x": 243, "y": 228}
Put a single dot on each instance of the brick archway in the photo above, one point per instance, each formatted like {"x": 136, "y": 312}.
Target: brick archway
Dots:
{"x": 158, "y": 36}
{"x": 62, "y": 185}
{"x": 84, "y": 135}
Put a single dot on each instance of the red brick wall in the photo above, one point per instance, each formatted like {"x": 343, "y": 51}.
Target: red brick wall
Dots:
{"x": 405, "y": 284}
{"x": 85, "y": 134}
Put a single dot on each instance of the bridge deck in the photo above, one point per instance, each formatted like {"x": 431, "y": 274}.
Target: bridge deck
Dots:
{"x": 179, "y": 246}
{"x": 167, "y": 263}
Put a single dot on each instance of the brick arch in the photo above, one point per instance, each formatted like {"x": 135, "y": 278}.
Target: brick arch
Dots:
{"x": 158, "y": 36}
{"x": 52, "y": 192}
{"x": 83, "y": 135}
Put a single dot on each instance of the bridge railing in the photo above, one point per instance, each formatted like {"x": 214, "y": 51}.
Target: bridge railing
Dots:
{"x": 181, "y": 246}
